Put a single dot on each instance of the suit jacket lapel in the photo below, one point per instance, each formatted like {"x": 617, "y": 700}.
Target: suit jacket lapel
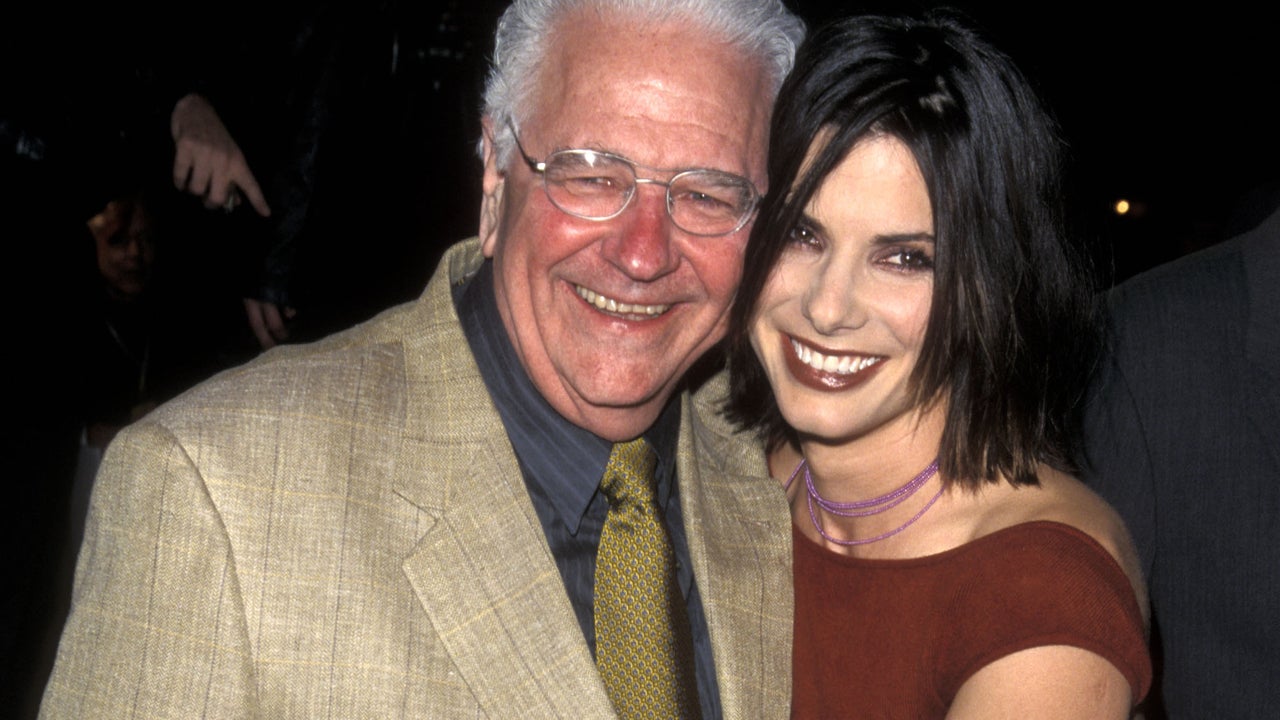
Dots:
{"x": 739, "y": 530}
{"x": 486, "y": 579}
{"x": 482, "y": 570}
{"x": 1260, "y": 253}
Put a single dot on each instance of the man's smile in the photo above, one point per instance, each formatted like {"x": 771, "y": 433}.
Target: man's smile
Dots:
{"x": 612, "y": 306}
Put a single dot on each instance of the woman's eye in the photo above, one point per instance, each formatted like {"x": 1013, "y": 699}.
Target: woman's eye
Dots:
{"x": 910, "y": 259}
{"x": 803, "y": 236}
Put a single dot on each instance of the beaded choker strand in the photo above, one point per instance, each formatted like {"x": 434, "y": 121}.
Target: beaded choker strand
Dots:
{"x": 863, "y": 508}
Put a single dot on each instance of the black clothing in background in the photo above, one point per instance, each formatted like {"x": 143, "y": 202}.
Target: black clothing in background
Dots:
{"x": 1183, "y": 435}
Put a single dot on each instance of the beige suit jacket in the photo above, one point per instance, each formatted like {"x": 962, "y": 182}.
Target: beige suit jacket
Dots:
{"x": 341, "y": 530}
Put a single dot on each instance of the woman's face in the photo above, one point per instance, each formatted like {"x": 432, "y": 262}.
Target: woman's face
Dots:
{"x": 840, "y": 323}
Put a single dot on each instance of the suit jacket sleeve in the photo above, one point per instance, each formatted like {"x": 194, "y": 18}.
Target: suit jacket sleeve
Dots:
{"x": 159, "y": 626}
{"x": 1118, "y": 463}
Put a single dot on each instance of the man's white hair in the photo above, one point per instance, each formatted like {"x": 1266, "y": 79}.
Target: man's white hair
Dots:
{"x": 763, "y": 29}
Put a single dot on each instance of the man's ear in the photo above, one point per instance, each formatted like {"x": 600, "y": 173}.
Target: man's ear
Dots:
{"x": 491, "y": 202}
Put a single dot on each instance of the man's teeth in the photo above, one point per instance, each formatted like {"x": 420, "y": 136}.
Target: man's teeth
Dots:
{"x": 838, "y": 364}
{"x": 610, "y": 305}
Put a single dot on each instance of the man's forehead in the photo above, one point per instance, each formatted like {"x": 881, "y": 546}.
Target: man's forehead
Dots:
{"x": 668, "y": 89}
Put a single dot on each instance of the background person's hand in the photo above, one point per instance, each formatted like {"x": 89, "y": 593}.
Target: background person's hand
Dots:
{"x": 207, "y": 162}
{"x": 268, "y": 321}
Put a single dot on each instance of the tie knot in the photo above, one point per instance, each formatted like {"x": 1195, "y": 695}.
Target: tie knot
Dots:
{"x": 628, "y": 478}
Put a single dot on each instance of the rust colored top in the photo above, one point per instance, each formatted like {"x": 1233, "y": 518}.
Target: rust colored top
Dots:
{"x": 897, "y": 638}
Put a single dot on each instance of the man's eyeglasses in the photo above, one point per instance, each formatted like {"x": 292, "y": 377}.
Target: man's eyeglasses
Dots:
{"x": 596, "y": 185}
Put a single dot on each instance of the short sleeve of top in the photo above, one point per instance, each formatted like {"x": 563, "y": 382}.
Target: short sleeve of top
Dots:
{"x": 897, "y": 638}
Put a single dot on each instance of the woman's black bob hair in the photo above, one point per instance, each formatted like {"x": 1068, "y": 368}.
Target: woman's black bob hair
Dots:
{"x": 1012, "y": 333}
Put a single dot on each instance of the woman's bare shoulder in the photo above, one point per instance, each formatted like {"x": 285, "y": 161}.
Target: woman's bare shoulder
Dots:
{"x": 1064, "y": 499}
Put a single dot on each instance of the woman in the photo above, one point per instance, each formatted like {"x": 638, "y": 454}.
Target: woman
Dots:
{"x": 926, "y": 330}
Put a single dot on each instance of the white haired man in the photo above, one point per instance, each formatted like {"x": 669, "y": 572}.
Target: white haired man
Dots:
{"x": 403, "y": 520}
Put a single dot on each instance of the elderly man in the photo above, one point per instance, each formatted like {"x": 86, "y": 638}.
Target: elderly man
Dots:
{"x": 435, "y": 514}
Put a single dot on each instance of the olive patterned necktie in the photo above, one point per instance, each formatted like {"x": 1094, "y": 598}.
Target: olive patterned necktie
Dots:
{"x": 644, "y": 649}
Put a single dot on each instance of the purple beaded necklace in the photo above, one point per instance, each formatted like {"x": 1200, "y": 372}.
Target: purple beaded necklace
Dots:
{"x": 863, "y": 508}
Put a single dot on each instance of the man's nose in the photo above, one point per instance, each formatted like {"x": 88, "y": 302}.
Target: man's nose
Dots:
{"x": 133, "y": 247}
{"x": 642, "y": 246}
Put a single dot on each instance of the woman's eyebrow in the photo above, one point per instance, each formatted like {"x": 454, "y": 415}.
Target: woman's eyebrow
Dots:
{"x": 903, "y": 237}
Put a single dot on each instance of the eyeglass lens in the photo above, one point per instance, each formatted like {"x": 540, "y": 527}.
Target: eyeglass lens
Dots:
{"x": 598, "y": 186}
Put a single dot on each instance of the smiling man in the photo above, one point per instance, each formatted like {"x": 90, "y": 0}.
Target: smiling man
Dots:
{"x": 410, "y": 519}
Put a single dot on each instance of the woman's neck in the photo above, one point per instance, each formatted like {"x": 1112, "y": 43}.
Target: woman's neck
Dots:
{"x": 878, "y": 461}
{"x": 859, "y": 469}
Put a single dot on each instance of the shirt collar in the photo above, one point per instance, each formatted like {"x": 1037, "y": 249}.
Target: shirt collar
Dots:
{"x": 566, "y": 461}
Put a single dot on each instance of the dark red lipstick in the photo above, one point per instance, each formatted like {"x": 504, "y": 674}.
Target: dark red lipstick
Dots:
{"x": 820, "y": 379}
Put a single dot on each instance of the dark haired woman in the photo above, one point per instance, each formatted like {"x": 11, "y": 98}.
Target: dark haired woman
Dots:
{"x": 911, "y": 300}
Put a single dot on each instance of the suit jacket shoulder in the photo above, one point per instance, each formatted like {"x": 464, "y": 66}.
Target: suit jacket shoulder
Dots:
{"x": 333, "y": 530}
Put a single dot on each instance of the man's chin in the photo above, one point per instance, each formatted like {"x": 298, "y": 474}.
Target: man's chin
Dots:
{"x": 617, "y": 410}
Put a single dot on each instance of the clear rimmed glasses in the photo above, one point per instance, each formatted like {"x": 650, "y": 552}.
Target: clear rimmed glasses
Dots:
{"x": 596, "y": 185}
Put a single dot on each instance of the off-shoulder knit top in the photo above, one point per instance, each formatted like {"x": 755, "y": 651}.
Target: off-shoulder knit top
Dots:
{"x": 897, "y": 638}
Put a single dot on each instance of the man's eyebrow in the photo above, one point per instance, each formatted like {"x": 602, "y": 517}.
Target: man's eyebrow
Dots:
{"x": 596, "y": 147}
{"x": 591, "y": 146}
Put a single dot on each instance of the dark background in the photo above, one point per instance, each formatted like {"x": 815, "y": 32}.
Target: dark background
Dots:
{"x": 1169, "y": 109}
